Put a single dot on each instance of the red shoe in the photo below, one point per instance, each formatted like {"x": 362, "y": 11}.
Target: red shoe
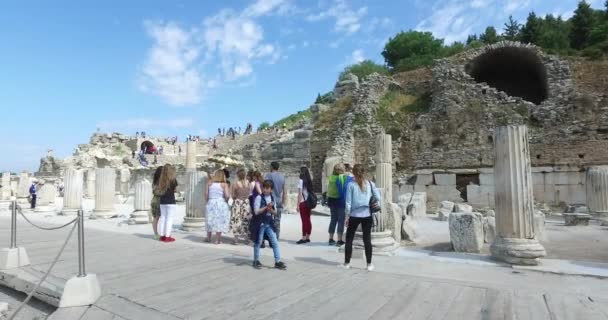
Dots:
{"x": 170, "y": 239}
{"x": 163, "y": 239}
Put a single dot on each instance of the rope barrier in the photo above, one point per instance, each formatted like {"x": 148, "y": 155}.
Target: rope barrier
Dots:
{"x": 44, "y": 228}
{"x": 29, "y": 296}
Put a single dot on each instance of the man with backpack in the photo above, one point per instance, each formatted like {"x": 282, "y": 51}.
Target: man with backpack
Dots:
{"x": 336, "y": 195}
{"x": 279, "y": 192}
{"x": 33, "y": 194}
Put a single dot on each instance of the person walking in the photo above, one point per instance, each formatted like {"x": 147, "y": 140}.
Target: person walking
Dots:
{"x": 241, "y": 208}
{"x": 155, "y": 203}
{"x": 218, "y": 212}
{"x": 358, "y": 196}
{"x": 336, "y": 200}
{"x": 263, "y": 225}
{"x": 33, "y": 194}
{"x": 304, "y": 187}
{"x": 279, "y": 191}
{"x": 166, "y": 188}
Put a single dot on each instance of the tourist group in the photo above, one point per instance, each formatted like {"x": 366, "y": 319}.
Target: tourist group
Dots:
{"x": 251, "y": 206}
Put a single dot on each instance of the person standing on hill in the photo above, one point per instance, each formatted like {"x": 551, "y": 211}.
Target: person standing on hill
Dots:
{"x": 279, "y": 192}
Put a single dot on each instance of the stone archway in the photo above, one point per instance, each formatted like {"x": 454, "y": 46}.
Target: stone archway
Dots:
{"x": 518, "y": 71}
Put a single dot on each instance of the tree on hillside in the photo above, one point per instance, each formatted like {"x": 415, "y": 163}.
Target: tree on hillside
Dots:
{"x": 582, "y": 23}
{"x": 553, "y": 34}
{"x": 530, "y": 32}
{"x": 512, "y": 29}
{"x": 454, "y": 48}
{"x": 489, "y": 36}
{"x": 364, "y": 69}
{"x": 471, "y": 38}
{"x": 412, "y": 49}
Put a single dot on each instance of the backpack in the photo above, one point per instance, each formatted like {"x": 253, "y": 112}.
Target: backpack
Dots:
{"x": 311, "y": 201}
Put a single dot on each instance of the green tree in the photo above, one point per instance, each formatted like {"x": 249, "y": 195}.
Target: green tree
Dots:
{"x": 471, "y": 38}
{"x": 489, "y": 36}
{"x": 582, "y": 24}
{"x": 412, "y": 49}
{"x": 530, "y": 32}
{"x": 364, "y": 69}
{"x": 512, "y": 29}
{"x": 454, "y": 48}
{"x": 263, "y": 126}
{"x": 553, "y": 35}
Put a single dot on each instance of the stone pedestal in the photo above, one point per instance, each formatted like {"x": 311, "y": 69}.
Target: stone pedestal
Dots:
{"x": 383, "y": 243}
{"x": 90, "y": 194}
{"x": 72, "y": 195}
{"x": 5, "y": 205}
{"x": 191, "y": 155}
{"x": 597, "y": 190}
{"x": 195, "y": 201}
{"x": 12, "y": 258}
{"x": 125, "y": 178}
{"x": 45, "y": 200}
{"x": 515, "y": 240}
{"x": 23, "y": 188}
{"x": 143, "y": 197}
{"x": 80, "y": 291}
{"x": 5, "y": 189}
{"x": 105, "y": 185}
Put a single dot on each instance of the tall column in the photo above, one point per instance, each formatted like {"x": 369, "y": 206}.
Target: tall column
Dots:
{"x": 90, "y": 183}
{"x": 195, "y": 201}
{"x": 125, "y": 178}
{"x": 143, "y": 197}
{"x": 515, "y": 240}
{"x": 23, "y": 189}
{"x": 72, "y": 195}
{"x": 384, "y": 165}
{"x": 191, "y": 155}
{"x": 597, "y": 190}
{"x": 45, "y": 199}
{"x": 105, "y": 185}
{"x": 5, "y": 191}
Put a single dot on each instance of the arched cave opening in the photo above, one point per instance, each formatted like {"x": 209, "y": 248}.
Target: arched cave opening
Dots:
{"x": 148, "y": 147}
{"x": 519, "y": 72}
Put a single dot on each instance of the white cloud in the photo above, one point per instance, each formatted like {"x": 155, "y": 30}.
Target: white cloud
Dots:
{"x": 347, "y": 20}
{"x": 516, "y": 5}
{"x": 357, "y": 56}
{"x": 480, "y": 3}
{"x": 170, "y": 68}
{"x": 145, "y": 123}
{"x": 265, "y": 7}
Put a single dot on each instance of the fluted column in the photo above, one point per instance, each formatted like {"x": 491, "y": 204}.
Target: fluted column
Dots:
{"x": 143, "y": 197}
{"x": 191, "y": 155}
{"x": 384, "y": 165}
{"x": 125, "y": 178}
{"x": 597, "y": 190}
{"x": 90, "y": 184}
{"x": 45, "y": 199}
{"x": 195, "y": 201}
{"x": 105, "y": 186}
{"x": 515, "y": 240}
{"x": 23, "y": 188}
{"x": 72, "y": 195}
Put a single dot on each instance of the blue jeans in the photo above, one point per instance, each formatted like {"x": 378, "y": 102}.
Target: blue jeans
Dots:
{"x": 337, "y": 217}
{"x": 266, "y": 230}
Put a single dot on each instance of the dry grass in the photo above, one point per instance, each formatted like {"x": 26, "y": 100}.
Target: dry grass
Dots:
{"x": 334, "y": 114}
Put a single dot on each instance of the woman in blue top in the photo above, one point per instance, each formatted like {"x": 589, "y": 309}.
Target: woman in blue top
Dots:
{"x": 358, "y": 195}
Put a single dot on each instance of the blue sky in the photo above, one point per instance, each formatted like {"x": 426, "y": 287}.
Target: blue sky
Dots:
{"x": 179, "y": 67}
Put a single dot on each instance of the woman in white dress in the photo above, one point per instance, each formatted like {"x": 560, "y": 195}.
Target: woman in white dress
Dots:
{"x": 218, "y": 212}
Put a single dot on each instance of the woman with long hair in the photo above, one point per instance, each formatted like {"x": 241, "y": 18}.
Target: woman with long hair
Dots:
{"x": 358, "y": 196}
{"x": 218, "y": 212}
{"x": 241, "y": 209}
{"x": 304, "y": 188}
{"x": 166, "y": 187}
{"x": 155, "y": 203}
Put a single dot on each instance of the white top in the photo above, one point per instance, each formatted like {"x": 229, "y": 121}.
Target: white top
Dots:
{"x": 302, "y": 190}
{"x": 216, "y": 191}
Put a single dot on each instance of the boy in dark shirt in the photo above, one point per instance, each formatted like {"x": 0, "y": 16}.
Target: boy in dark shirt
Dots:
{"x": 262, "y": 224}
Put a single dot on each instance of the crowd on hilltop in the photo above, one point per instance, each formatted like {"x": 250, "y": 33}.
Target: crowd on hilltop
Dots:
{"x": 251, "y": 205}
{"x": 234, "y": 131}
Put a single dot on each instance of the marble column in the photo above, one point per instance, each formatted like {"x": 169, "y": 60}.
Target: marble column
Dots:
{"x": 5, "y": 191}
{"x": 45, "y": 199}
{"x": 23, "y": 189}
{"x": 191, "y": 155}
{"x": 105, "y": 185}
{"x": 72, "y": 195}
{"x": 195, "y": 201}
{"x": 125, "y": 178}
{"x": 515, "y": 240}
{"x": 384, "y": 165}
{"x": 597, "y": 190}
{"x": 143, "y": 197}
{"x": 90, "y": 184}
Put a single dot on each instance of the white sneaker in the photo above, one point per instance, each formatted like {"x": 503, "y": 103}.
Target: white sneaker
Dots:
{"x": 346, "y": 266}
{"x": 370, "y": 267}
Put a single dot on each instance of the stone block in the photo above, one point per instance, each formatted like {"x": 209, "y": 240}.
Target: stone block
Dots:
{"x": 489, "y": 229}
{"x": 445, "y": 179}
{"x": 486, "y": 170}
{"x": 440, "y": 193}
{"x": 576, "y": 219}
{"x": 466, "y": 231}
{"x": 480, "y": 196}
{"x": 486, "y": 179}
{"x": 444, "y": 210}
{"x": 570, "y": 194}
{"x": 416, "y": 203}
{"x": 539, "y": 226}
{"x": 538, "y": 179}
{"x": 541, "y": 169}
{"x": 424, "y": 179}
{"x": 462, "y": 207}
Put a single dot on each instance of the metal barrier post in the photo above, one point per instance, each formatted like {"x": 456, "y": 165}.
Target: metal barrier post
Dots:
{"x": 81, "y": 262}
{"x": 13, "y": 224}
